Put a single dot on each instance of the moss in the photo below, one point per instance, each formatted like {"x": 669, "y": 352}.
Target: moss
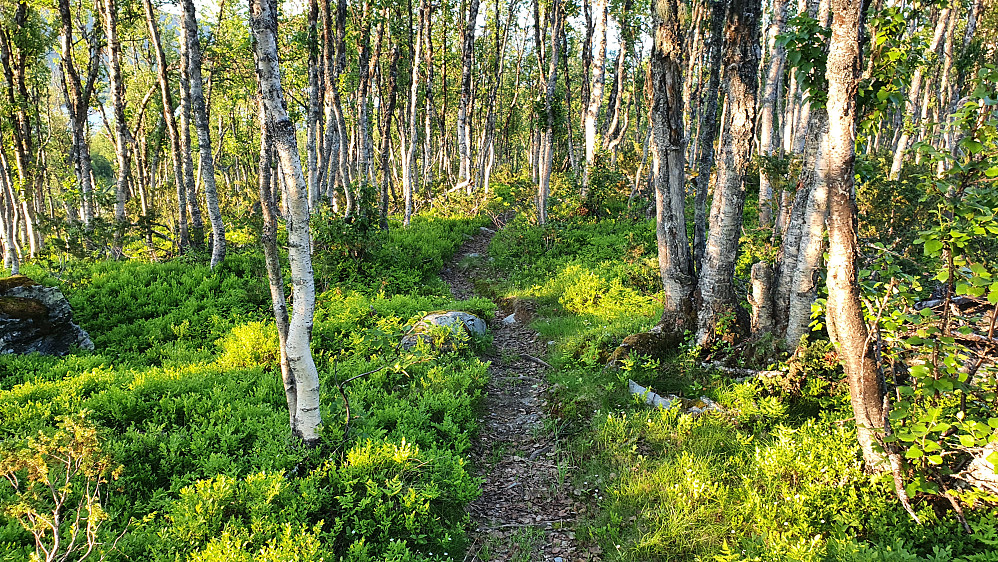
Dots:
{"x": 23, "y": 308}
{"x": 650, "y": 344}
{"x": 15, "y": 281}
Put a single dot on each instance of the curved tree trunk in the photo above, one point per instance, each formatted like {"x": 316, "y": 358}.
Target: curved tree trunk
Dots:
{"x": 845, "y": 311}
{"x": 306, "y": 418}
{"x": 741, "y": 61}
{"x": 272, "y": 259}
{"x": 193, "y": 51}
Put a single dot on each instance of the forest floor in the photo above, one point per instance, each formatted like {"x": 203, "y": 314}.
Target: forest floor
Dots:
{"x": 527, "y": 510}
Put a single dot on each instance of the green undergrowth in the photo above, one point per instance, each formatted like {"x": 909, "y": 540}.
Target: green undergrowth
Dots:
{"x": 185, "y": 396}
{"x": 776, "y": 475}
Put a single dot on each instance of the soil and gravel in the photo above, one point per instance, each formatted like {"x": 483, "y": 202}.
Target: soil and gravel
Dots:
{"x": 527, "y": 510}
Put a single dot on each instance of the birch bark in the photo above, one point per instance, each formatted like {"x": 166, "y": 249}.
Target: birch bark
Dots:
{"x": 203, "y": 127}
{"x": 121, "y": 137}
{"x": 741, "y": 61}
{"x": 767, "y": 110}
{"x": 465, "y": 179}
{"x": 184, "y": 240}
{"x": 668, "y": 171}
{"x": 845, "y": 311}
{"x": 598, "y": 73}
{"x": 306, "y": 418}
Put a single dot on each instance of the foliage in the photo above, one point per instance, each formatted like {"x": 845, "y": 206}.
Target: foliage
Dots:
{"x": 943, "y": 411}
{"x": 805, "y": 40}
{"x": 184, "y": 394}
{"x": 60, "y": 481}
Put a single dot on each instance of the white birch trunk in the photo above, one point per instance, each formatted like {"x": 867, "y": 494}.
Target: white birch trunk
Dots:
{"x": 912, "y": 108}
{"x": 741, "y": 60}
{"x": 307, "y": 417}
{"x": 767, "y": 110}
{"x": 121, "y": 139}
{"x": 203, "y": 128}
{"x": 464, "y": 108}
{"x": 598, "y": 73}
{"x": 668, "y": 171}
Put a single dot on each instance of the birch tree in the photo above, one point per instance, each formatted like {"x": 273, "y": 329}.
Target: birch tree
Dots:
{"x": 121, "y": 137}
{"x": 192, "y": 60}
{"x": 173, "y": 134}
{"x": 465, "y": 179}
{"x": 78, "y": 92}
{"x": 598, "y": 73}
{"x": 845, "y": 311}
{"x": 303, "y": 379}
{"x": 668, "y": 172}
{"x": 741, "y": 61}
{"x": 767, "y": 107}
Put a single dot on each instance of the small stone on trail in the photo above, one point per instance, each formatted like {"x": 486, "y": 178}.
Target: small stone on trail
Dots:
{"x": 558, "y": 559}
{"x": 509, "y": 320}
{"x": 485, "y": 230}
{"x": 474, "y": 255}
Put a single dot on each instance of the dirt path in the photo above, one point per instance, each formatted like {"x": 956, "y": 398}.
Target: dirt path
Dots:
{"x": 526, "y": 511}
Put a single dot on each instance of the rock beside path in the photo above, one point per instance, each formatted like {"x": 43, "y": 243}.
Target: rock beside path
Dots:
{"x": 457, "y": 322}
{"x": 37, "y": 319}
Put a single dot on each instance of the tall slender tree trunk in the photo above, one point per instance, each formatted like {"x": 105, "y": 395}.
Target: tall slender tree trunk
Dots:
{"x": 190, "y": 185}
{"x": 741, "y": 62}
{"x": 708, "y": 131}
{"x": 176, "y": 148}
{"x": 78, "y": 96}
{"x": 803, "y": 275}
{"x": 203, "y": 127}
{"x": 487, "y": 157}
{"x": 912, "y": 105}
{"x": 547, "y": 146}
{"x": 409, "y": 140}
{"x": 845, "y": 311}
{"x": 767, "y": 110}
{"x": 464, "y": 108}
{"x": 314, "y": 141}
{"x": 272, "y": 259}
{"x": 8, "y": 206}
{"x": 387, "y": 113}
{"x": 304, "y": 376}
{"x": 598, "y": 73}
{"x": 121, "y": 138}
{"x": 668, "y": 171}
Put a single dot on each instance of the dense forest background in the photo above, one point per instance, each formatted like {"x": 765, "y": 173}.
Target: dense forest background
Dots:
{"x": 778, "y": 213}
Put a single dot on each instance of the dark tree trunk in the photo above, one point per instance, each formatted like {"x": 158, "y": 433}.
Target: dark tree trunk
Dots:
{"x": 668, "y": 172}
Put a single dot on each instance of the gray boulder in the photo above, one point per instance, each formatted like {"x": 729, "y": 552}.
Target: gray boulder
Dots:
{"x": 35, "y": 318}
{"x": 457, "y": 322}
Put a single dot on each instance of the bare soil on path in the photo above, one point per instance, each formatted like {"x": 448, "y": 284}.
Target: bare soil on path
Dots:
{"x": 527, "y": 510}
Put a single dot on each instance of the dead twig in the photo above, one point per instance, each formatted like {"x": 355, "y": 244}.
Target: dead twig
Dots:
{"x": 533, "y": 359}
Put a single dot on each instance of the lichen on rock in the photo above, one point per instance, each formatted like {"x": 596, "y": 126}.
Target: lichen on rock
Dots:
{"x": 37, "y": 319}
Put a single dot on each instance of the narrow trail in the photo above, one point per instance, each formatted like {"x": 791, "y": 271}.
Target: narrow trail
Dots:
{"x": 526, "y": 511}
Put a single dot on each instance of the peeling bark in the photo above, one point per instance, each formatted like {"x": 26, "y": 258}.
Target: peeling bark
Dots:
{"x": 306, "y": 418}
{"x": 716, "y": 280}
